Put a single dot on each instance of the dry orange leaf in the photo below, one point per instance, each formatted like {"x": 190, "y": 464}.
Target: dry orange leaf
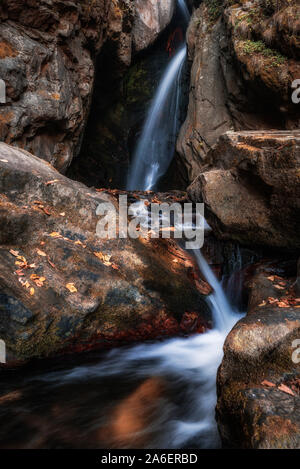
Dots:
{"x": 286, "y": 389}
{"x": 34, "y": 276}
{"x": 79, "y": 243}
{"x": 55, "y": 235}
{"x": 22, "y": 258}
{"x": 14, "y": 253}
{"x": 51, "y": 182}
{"x": 51, "y": 263}
{"x": 272, "y": 300}
{"x": 46, "y": 211}
{"x": 41, "y": 253}
{"x": 71, "y": 287}
{"x": 24, "y": 283}
{"x": 39, "y": 281}
{"x": 262, "y": 304}
{"x": 105, "y": 258}
{"x": 31, "y": 291}
{"x": 19, "y": 273}
{"x": 265, "y": 382}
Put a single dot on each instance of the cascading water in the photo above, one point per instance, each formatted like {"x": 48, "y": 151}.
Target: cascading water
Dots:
{"x": 156, "y": 146}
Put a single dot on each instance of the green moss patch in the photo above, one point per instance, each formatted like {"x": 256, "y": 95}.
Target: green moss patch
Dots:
{"x": 259, "y": 47}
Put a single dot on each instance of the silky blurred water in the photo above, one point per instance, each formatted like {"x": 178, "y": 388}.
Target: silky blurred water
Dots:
{"x": 156, "y": 146}
{"x": 154, "y": 395}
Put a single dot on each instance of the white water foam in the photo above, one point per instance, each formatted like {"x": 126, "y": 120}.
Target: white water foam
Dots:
{"x": 189, "y": 364}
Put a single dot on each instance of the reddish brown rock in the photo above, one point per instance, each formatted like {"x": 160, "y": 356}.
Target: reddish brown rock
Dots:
{"x": 63, "y": 289}
{"x": 258, "y": 402}
{"x": 251, "y": 188}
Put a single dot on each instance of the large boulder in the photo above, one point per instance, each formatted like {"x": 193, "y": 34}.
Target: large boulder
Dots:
{"x": 259, "y": 379}
{"x": 151, "y": 17}
{"x": 63, "y": 289}
{"x": 245, "y": 58}
{"x": 251, "y": 188}
{"x": 207, "y": 116}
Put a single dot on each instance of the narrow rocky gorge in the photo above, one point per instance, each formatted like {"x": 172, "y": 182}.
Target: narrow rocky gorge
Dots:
{"x": 79, "y": 79}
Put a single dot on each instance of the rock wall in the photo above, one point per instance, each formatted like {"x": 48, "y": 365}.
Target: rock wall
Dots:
{"x": 121, "y": 101}
{"x": 244, "y": 59}
{"x": 259, "y": 381}
{"x": 47, "y": 55}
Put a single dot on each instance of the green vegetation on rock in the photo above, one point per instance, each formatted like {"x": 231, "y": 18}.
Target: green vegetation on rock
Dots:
{"x": 214, "y": 8}
{"x": 259, "y": 47}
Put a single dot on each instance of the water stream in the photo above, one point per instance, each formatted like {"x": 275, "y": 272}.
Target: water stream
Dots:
{"x": 156, "y": 145}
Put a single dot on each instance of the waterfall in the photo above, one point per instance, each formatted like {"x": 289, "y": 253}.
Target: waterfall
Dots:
{"x": 221, "y": 309}
{"x": 156, "y": 146}
{"x": 184, "y": 9}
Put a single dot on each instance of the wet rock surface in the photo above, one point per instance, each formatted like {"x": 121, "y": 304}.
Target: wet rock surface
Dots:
{"x": 63, "y": 289}
{"x": 258, "y": 404}
{"x": 251, "y": 189}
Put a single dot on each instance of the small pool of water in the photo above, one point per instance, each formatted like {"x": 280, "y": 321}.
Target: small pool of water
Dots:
{"x": 155, "y": 395}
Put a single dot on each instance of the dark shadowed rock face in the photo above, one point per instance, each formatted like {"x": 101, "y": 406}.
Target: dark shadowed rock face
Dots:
{"x": 64, "y": 289}
{"x": 251, "y": 188}
{"x": 245, "y": 58}
{"x": 122, "y": 97}
{"x": 258, "y": 381}
{"x": 47, "y": 55}
{"x": 46, "y": 51}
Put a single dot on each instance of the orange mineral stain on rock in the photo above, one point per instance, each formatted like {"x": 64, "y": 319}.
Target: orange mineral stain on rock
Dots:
{"x": 6, "y": 50}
